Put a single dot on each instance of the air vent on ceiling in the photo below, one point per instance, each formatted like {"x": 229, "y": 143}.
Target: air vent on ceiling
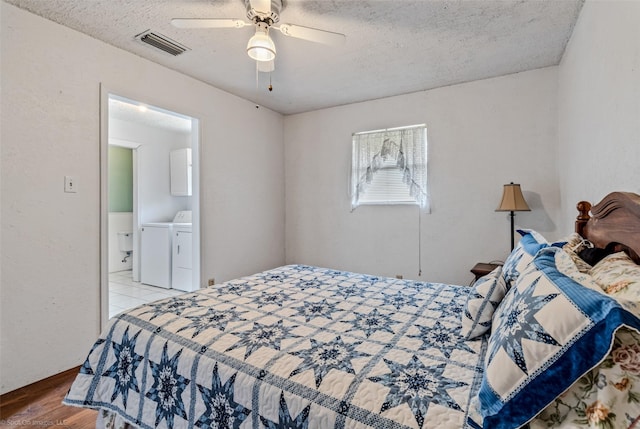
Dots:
{"x": 162, "y": 42}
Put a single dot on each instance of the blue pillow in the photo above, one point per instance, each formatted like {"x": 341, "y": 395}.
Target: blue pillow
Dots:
{"x": 483, "y": 299}
{"x": 548, "y": 331}
{"x": 530, "y": 243}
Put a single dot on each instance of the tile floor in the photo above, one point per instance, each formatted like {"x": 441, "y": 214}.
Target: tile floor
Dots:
{"x": 124, "y": 293}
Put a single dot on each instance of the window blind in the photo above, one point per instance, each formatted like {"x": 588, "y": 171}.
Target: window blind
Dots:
{"x": 390, "y": 167}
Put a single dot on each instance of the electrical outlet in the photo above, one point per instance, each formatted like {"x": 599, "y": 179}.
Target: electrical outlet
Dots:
{"x": 212, "y": 282}
{"x": 70, "y": 184}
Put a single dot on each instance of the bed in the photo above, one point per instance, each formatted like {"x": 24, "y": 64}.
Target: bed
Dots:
{"x": 545, "y": 340}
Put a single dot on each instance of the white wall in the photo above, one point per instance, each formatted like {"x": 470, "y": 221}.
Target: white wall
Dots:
{"x": 599, "y": 104}
{"x": 481, "y": 135}
{"x": 50, "y": 110}
{"x": 155, "y": 201}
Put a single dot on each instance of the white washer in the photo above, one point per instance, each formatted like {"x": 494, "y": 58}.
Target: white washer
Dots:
{"x": 155, "y": 254}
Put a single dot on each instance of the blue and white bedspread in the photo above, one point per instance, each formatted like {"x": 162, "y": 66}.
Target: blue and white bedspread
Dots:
{"x": 293, "y": 347}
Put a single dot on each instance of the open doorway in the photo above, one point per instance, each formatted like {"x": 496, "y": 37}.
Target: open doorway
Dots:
{"x": 150, "y": 213}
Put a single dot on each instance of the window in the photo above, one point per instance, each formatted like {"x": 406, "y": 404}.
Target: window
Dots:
{"x": 390, "y": 167}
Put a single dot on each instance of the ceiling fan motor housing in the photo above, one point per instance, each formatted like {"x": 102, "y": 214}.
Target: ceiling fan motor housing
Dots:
{"x": 269, "y": 17}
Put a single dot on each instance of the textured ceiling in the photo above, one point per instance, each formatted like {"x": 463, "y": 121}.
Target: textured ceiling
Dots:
{"x": 393, "y": 46}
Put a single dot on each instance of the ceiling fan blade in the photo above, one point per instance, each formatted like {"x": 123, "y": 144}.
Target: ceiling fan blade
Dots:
{"x": 208, "y": 23}
{"x": 263, "y": 6}
{"x": 312, "y": 34}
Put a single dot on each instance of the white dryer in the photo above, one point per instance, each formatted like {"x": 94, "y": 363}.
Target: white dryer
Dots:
{"x": 156, "y": 250}
{"x": 182, "y": 258}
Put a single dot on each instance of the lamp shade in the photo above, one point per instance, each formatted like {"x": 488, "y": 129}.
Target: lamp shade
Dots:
{"x": 260, "y": 46}
{"x": 512, "y": 199}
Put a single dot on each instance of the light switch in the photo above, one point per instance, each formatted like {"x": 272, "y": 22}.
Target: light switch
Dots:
{"x": 70, "y": 184}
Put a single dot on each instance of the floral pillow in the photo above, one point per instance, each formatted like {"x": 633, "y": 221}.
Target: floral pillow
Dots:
{"x": 486, "y": 295}
{"x": 619, "y": 276}
{"x": 575, "y": 244}
{"x": 608, "y": 396}
{"x": 567, "y": 266}
{"x": 547, "y": 333}
{"x": 580, "y": 263}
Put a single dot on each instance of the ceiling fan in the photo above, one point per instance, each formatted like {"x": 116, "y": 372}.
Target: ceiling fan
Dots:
{"x": 263, "y": 14}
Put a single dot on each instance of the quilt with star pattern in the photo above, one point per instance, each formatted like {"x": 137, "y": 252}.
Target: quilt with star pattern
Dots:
{"x": 292, "y": 347}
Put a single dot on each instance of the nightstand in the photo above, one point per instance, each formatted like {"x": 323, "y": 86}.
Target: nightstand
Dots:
{"x": 482, "y": 269}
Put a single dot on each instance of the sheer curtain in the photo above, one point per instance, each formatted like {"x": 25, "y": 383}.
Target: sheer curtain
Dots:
{"x": 390, "y": 167}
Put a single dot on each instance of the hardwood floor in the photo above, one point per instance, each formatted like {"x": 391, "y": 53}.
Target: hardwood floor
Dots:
{"x": 40, "y": 405}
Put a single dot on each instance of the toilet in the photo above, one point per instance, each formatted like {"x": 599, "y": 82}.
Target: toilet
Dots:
{"x": 125, "y": 243}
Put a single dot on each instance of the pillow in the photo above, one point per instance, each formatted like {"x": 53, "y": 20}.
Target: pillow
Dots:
{"x": 547, "y": 332}
{"x": 583, "y": 252}
{"x": 606, "y": 397}
{"x": 509, "y": 269}
{"x": 482, "y": 301}
{"x": 580, "y": 263}
{"x": 575, "y": 244}
{"x": 523, "y": 253}
{"x": 594, "y": 255}
{"x": 618, "y": 275}
{"x": 567, "y": 266}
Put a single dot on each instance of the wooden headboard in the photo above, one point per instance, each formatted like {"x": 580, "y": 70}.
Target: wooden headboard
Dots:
{"x": 614, "y": 223}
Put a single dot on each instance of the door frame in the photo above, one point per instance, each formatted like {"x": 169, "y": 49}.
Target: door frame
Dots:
{"x": 105, "y": 92}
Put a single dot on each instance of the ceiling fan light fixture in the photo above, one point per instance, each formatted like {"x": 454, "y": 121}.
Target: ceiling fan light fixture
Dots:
{"x": 266, "y": 66}
{"x": 260, "y": 46}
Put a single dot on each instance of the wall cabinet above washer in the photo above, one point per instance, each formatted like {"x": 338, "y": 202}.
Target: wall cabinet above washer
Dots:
{"x": 181, "y": 172}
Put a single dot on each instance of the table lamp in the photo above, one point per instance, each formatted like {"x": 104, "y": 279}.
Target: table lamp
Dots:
{"x": 512, "y": 201}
